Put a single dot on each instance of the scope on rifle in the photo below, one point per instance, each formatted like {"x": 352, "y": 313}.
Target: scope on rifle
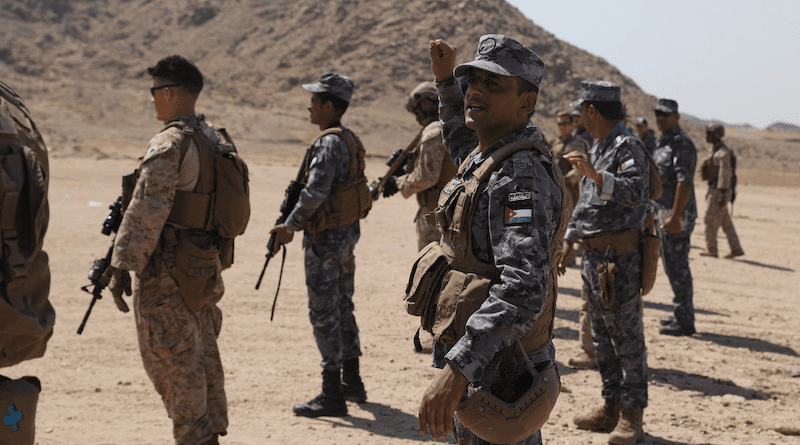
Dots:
{"x": 113, "y": 219}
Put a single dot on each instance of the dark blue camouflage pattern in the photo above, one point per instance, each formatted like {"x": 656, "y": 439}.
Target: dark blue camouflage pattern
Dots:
{"x": 620, "y": 158}
{"x": 520, "y": 251}
{"x": 668, "y": 106}
{"x": 338, "y": 85}
{"x": 503, "y": 55}
{"x": 676, "y": 158}
{"x": 675, "y": 258}
{"x": 618, "y": 330}
{"x": 650, "y": 140}
{"x": 598, "y": 91}
{"x": 329, "y": 260}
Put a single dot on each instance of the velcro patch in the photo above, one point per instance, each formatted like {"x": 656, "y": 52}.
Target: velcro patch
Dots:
{"x": 626, "y": 165}
{"x": 517, "y": 216}
{"x": 519, "y": 196}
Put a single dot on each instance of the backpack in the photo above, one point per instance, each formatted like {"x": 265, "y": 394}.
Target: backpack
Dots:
{"x": 26, "y": 315}
{"x": 220, "y": 201}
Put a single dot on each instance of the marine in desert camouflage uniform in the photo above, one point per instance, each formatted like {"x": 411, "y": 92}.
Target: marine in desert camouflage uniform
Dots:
{"x": 429, "y": 167}
{"x": 608, "y": 220}
{"x": 329, "y": 260}
{"x": 519, "y": 248}
{"x": 676, "y": 211}
{"x": 178, "y": 345}
{"x": 720, "y": 189}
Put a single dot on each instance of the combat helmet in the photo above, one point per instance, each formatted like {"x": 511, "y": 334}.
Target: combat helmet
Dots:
{"x": 497, "y": 421}
{"x": 425, "y": 90}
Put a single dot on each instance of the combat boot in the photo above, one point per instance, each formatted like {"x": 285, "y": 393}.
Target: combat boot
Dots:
{"x": 330, "y": 403}
{"x": 604, "y": 418}
{"x": 352, "y": 386}
{"x": 583, "y": 361}
{"x": 709, "y": 253}
{"x": 735, "y": 253}
{"x": 629, "y": 429}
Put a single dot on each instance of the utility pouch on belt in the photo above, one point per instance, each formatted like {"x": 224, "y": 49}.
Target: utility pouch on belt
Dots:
{"x": 708, "y": 171}
{"x": 461, "y": 295}
{"x": 195, "y": 268}
{"x": 422, "y": 291}
{"x": 651, "y": 245}
{"x": 605, "y": 277}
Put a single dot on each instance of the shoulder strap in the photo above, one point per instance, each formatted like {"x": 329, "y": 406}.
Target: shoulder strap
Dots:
{"x": 504, "y": 152}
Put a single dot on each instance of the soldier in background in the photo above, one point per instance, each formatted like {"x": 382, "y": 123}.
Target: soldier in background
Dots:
{"x": 580, "y": 128}
{"x": 178, "y": 343}
{"x": 429, "y": 167}
{"x": 676, "y": 210}
{"x": 608, "y": 221}
{"x": 718, "y": 170}
{"x": 646, "y": 134}
{"x": 26, "y": 315}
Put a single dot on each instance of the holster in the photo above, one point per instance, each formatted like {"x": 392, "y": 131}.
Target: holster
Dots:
{"x": 195, "y": 267}
{"x": 605, "y": 277}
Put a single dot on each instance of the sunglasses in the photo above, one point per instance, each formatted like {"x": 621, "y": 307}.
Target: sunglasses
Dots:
{"x": 563, "y": 124}
{"x": 154, "y": 89}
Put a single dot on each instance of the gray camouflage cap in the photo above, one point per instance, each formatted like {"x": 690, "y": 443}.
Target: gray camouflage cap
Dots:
{"x": 339, "y": 86}
{"x": 641, "y": 121}
{"x": 598, "y": 91}
{"x": 668, "y": 106}
{"x": 503, "y": 55}
{"x": 576, "y": 111}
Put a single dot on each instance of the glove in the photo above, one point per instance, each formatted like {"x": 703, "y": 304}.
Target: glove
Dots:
{"x": 390, "y": 188}
{"x": 119, "y": 282}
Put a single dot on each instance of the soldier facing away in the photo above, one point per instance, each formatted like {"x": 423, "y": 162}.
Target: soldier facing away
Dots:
{"x": 330, "y": 232}
{"x": 502, "y": 223}
{"x": 608, "y": 222}
{"x": 718, "y": 170}
{"x": 177, "y": 318}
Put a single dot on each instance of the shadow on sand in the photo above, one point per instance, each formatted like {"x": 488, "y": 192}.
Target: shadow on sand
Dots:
{"x": 668, "y": 308}
{"x": 387, "y": 422}
{"x": 752, "y": 344}
{"x": 707, "y": 385}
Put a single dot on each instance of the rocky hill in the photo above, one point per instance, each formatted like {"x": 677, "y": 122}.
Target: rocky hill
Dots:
{"x": 256, "y": 53}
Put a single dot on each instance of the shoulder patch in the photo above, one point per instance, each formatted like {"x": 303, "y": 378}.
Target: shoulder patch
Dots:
{"x": 523, "y": 166}
{"x": 163, "y": 142}
{"x": 519, "y": 196}
{"x": 517, "y": 216}
{"x": 627, "y": 164}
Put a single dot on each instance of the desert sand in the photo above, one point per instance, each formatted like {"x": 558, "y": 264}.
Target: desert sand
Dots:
{"x": 736, "y": 381}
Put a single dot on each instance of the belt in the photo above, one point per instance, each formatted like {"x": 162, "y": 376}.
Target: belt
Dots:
{"x": 621, "y": 242}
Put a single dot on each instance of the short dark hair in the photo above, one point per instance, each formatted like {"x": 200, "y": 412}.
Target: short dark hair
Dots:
{"x": 339, "y": 104}
{"x": 178, "y": 70}
{"x": 612, "y": 111}
{"x": 523, "y": 86}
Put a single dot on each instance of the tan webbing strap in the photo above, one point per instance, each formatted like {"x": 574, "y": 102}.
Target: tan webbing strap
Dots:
{"x": 190, "y": 209}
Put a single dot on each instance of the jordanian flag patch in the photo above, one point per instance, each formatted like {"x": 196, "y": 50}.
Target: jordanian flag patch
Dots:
{"x": 517, "y": 216}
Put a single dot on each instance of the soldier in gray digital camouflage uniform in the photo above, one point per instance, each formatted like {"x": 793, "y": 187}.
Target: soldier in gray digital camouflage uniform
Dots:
{"x": 580, "y": 127}
{"x": 178, "y": 345}
{"x": 429, "y": 167}
{"x": 329, "y": 260}
{"x": 676, "y": 211}
{"x": 607, "y": 221}
{"x": 720, "y": 193}
{"x": 516, "y": 228}
{"x": 646, "y": 134}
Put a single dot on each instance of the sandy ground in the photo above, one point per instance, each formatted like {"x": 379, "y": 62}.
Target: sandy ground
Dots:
{"x": 736, "y": 381}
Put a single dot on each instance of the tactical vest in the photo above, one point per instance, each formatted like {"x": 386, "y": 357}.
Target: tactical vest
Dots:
{"x": 349, "y": 202}
{"x": 26, "y": 315}
{"x": 430, "y": 196}
{"x": 454, "y": 217}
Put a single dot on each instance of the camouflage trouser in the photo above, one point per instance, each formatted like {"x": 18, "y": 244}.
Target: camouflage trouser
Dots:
{"x": 617, "y": 329}
{"x": 426, "y": 228}
{"x": 675, "y": 258}
{"x": 180, "y": 355}
{"x": 716, "y": 216}
{"x": 585, "y": 323}
{"x": 330, "y": 269}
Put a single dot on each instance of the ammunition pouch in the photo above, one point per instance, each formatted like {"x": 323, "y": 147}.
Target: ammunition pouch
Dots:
{"x": 605, "y": 277}
{"x": 461, "y": 295}
{"x": 342, "y": 208}
{"x": 195, "y": 268}
{"x": 429, "y": 197}
{"x": 422, "y": 291}
{"x": 709, "y": 171}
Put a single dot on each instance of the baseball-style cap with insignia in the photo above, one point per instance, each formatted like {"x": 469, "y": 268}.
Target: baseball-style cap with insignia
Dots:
{"x": 576, "y": 111}
{"x": 668, "y": 106}
{"x": 503, "y": 55}
{"x": 338, "y": 85}
{"x": 598, "y": 91}
{"x": 641, "y": 121}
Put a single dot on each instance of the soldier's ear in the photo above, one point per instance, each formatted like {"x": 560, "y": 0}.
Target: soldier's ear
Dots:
{"x": 528, "y": 102}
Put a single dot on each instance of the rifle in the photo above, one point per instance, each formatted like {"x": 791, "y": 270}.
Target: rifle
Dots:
{"x": 290, "y": 199}
{"x": 397, "y": 160}
{"x": 110, "y": 224}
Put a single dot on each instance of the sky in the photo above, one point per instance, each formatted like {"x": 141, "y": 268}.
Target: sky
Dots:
{"x": 737, "y": 61}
